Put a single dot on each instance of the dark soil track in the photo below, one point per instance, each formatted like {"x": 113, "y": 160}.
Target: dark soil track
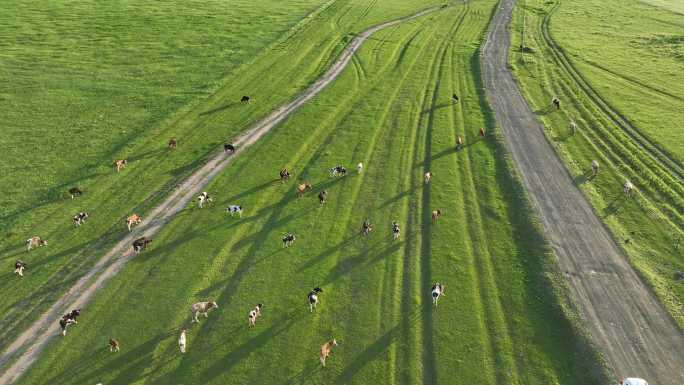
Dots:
{"x": 627, "y": 323}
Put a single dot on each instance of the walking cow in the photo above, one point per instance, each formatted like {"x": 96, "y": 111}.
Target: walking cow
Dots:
{"x": 19, "y": 267}
{"x": 288, "y": 240}
{"x": 202, "y": 308}
{"x": 254, "y": 314}
{"x": 120, "y": 164}
{"x": 437, "y": 291}
{"x": 140, "y": 244}
{"x": 326, "y": 349}
{"x": 313, "y": 298}
{"x": 80, "y": 218}
{"x": 35, "y": 241}
{"x": 134, "y": 219}
{"x": 69, "y": 319}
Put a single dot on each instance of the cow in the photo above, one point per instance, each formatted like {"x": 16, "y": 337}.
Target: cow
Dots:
{"x": 69, "y": 319}
{"x": 556, "y": 102}
{"x": 19, "y": 267}
{"x": 132, "y": 220}
{"x": 254, "y": 314}
{"x": 435, "y": 215}
{"x": 338, "y": 171}
{"x": 628, "y": 188}
{"x": 427, "y": 177}
{"x": 114, "y": 345}
{"x": 173, "y": 143}
{"x": 234, "y": 209}
{"x": 288, "y": 239}
{"x": 227, "y": 147}
{"x": 326, "y": 349}
{"x": 80, "y": 218}
{"x": 302, "y": 188}
{"x": 594, "y": 168}
{"x": 366, "y": 228}
{"x": 482, "y": 131}
{"x": 437, "y": 291}
{"x": 244, "y": 99}
{"x": 35, "y": 241}
{"x": 203, "y": 198}
{"x": 284, "y": 175}
{"x": 459, "y": 143}
{"x": 359, "y": 168}
{"x": 573, "y": 127}
{"x": 140, "y": 244}
{"x": 120, "y": 164}
{"x": 322, "y": 196}
{"x": 202, "y": 308}
{"x": 395, "y": 230}
{"x": 181, "y": 341}
{"x": 313, "y": 298}
{"x": 75, "y": 192}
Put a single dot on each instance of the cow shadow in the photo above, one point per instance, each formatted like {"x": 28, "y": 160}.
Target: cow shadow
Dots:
{"x": 219, "y": 109}
{"x": 436, "y": 107}
{"x": 614, "y": 206}
{"x": 366, "y": 257}
{"x": 545, "y": 110}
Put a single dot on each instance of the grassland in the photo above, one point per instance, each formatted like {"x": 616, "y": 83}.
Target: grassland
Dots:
{"x": 501, "y": 320}
{"x": 589, "y": 54}
{"x": 96, "y": 81}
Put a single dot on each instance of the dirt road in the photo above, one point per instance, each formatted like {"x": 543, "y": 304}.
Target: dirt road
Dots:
{"x": 627, "y": 323}
{"x": 30, "y": 343}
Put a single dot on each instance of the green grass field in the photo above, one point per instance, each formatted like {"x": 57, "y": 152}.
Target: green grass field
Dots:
{"x": 607, "y": 49}
{"x": 504, "y": 318}
{"x": 96, "y": 81}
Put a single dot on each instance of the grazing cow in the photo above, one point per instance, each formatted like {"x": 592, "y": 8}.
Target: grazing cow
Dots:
{"x": 173, "y": 143}
{"x": 244, "y": 99}
{"x": 322, "y": 196}
{"x": 366, "y": 228}
{"x": 437, "y": 291}
{"x": 227, "y": 147}
{"x": 140, "y": 244}
{"x": 482, "y": 131}
{"x": 113, "y": 345}
{"x": 313, "y": 298}
{"x": 202, "y": 308}
{"x": 594, "y": 167}
{"x": 459, "y": 142}
{"x": 80, "y": 218}
{"x": 573, "y": 127}
{"x": 181, "y": 341}
{"x": 556, "y": 102}
{"x": 19, "y": 267}
{"x": 338, "y": 171}
{"x": 326, "y": 349}
{"x": 75, "y": 192}
{"x": 395, "y": 230}
{"x": 203, "y": 198}
{"x": 454, "y": 97}
{"x": 288, "y": 239}
{"x": 234, "y": 209}
{"x": 428, "y": 177}
{"x": 359, "y": 168}
{"x": 435, "y": 215}
{"x": 35, "y": 241}
{"x": 284, "y": 175}
{"x": 302, "y": 188}
{"x": 68, "y": 319}
{"x": 254, "y": 313}
{"x": 120, "y": 164}
{"x": 628, "y": 188}
{"x": 134, "y": 219}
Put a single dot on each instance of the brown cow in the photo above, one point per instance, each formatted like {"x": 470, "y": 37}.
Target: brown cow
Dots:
{"x": 113, "y": 345}
{"x": 326, "y": 349}
{"x": 173, "y": 143}
{"x": 134, "y": 219}
{"x": 120, "y": 164}
{"x": 459, "y": 142}
{"x": 435, "y": 215}
{"x": 35, "y": 241}
{"x": 428, "y": 177}
{"x": 302, "y": 188}
{"x": 482, "y": 131}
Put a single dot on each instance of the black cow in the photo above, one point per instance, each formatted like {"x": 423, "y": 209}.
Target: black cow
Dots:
{"x": 140, "y": 244}
{"x": 75, "y": 192}
{"x": 227, "y": 147}
{"x": 244, "y": 99}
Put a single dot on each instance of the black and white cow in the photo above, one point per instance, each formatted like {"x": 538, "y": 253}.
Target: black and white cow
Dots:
{"x": 254, "y": 314}
{"x": 80, "y": 218}
{"x": 395, "y": 230}
{"x": 437, "y": 291}
{"x": 366, "y": 228}
{"x": 69, "y": 319}
{"x": 313, "y": 298}
{"x": 204, "y": 198}
{"x": 338, "y": 171}
{"x": 234, "y": 209}
{"x": 288, "y": 239}
{"x": 140, "y": 244}
{"x": 19, "y": 267}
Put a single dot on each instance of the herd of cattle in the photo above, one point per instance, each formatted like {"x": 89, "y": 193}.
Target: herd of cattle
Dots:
{"x": 203, "y": 308}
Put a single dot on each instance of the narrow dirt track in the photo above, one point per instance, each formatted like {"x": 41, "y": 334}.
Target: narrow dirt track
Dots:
{"x": 32, "y": 341}
{"x": 627, "y": 323}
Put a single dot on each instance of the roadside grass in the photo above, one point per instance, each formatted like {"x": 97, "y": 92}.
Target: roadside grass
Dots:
{"x": 91, "y": 82}
{"x": 649, "y": 226}
{"x": 500, "y": 321}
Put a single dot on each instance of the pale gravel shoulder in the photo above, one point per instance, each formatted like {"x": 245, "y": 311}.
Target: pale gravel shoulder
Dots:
{"x": 627, "y": 323}
{"x": 32, "y": 341}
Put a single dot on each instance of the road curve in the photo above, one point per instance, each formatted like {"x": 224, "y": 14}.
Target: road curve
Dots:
{"x": 32, "y": 341}
{"x": 627, "y": 323}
